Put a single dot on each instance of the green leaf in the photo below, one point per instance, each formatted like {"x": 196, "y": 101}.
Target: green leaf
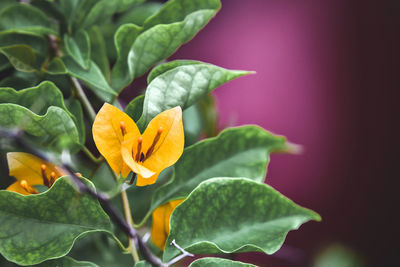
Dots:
{"x": 21, "y": 57}
{"x": 235, "y": 152}
{"x": 192, "y": 124}
{"x": 178, "y": 10}
{"x": 39, "y": 44}
{"x": 55, "y": 127}
{"x": 160, "y": 69}
{"x": 175, "y": 24}
{"x": 237, "y": 215}
{"x": 26, "y": 19}
{"x": 56, "y": 66}
{"x": 210, "y": 262}
{"x": 74, "y": 106}
{"x": 142, "y": 264}
{"x": 98, "y": 51}
{"x": 183, "y": 86}
{"x": 140, "y": 13}
{"x": 93, "y": 77}
{"x": 101, "y": 10}
{"x": 38, "y": 100}
{"x": 66, "y": 262}
{"x": 20, "y": 80}
{"x": 135, "y": 107}
{"x": 123, "y": 39}
{"x": 45, "y": 226}
{"x": 78, "y": 47}
{"x": 4, "y": 63}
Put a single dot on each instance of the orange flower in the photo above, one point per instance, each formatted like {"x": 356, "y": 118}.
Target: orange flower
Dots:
{"x": 123, "y": 146}
{"x": 161, "y": 217}
{"x": 29, "y": 171}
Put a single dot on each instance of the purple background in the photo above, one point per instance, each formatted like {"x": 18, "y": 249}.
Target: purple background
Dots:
{"x": 325, "y": 79}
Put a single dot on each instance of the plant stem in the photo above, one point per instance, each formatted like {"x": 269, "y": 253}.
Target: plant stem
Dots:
{"x": 91, "y": 156}
{"x": 128, "y": 218}
{"x": 83, "y": 98}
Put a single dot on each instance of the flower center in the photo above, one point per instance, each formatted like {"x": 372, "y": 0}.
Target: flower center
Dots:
{"x": 31, "y": 190}
{"x": 140, "y": 156}
{"x": 47, "y": 181}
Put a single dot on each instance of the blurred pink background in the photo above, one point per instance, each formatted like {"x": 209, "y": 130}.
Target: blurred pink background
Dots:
{"x": 325, "y": 79}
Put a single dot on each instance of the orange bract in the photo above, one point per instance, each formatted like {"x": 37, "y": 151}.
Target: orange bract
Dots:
{"x": 161, "y": 217}
{"x": 123, "y": 146}
{"x": 30, "y": 170}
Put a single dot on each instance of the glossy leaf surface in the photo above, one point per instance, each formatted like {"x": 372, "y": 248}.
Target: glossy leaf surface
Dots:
{"x": 237, "y": 215}
{"x": 236, "y": 152}
{"x": 183, "y": 86}
{"x": 211, "y": 262}
{"x": 44, "y": 226}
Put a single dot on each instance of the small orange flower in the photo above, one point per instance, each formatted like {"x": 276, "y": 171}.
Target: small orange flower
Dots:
{"x": 29, "y": 171}
{"x": 123, "y": 146}
{"x": 161, "y": 217}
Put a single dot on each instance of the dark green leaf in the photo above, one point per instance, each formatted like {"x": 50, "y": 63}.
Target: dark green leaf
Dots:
{"x": 135, "y": 107}
{"x": 56, "y": 66}
{"x": 98, "y": 51}
{"x": 56, "y": 127}
{"x": 93, "y": 77}
{"x": 123, "y": 39}
{"x": 4, "y": 63}
{"x": 20, "y": 80}
{"x": 235, "y": 152}
{"x": 44, "y": 226}
{"x": 21, "y": 57}
{"x": 175, "y": 24}
{"x": 66, "y": 262}
{"x": 74, "y": 106}
{"x": 140, "y": 13}
{"x": 142, "y": 264}
{"x": 192, "y": 124}
{"x": 177, "y": 10}
{"x": 183, "y": 86}
{"x": 237, "y": 215}
{"x": 78, "y": 47}
{"x": 211, "y": 262}
{"x": 101, "y": 10}
{"x": 38, "y": 44}
{"x": 38, "y": 100}
{"x": 26, "y": 19}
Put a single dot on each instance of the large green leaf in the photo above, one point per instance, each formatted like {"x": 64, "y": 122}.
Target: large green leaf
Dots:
{"x": 178, "y": 10}
{"x": 135, "y": 108}
{"x": 21, "y": 57}
{"x": 140, "y": 13}
{"x": 66, "y": 262}
{"x": 123, "y": 40}
{"x": 98, "y": 51}
{"x": 164, "y": 32}
{"x": 237, "y": 215}
{"x": 55, "y": 127}
{"x": 142, "y": 264}
{"x": 45, "y": 226}
{"x": 183, "y": 86}
{"x": 39, "y": 44}
{"x": 26, "y": 19}
{"x": 211, "y": 262}
{"x": 38, "y": 99}
{"x": 236, "y": 152}
{"x": 78, "y": 47}
{"x": 160, "y": 69}
{"x": 93, "y": 77}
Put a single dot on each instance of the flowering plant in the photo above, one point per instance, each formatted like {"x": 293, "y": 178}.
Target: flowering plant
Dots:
{"x": 77, "y": 157}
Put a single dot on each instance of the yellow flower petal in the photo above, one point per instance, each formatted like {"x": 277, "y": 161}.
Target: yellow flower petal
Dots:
{"x": 170, "y": 145}
{"x": 161, "y": 218}
{"x": 16, "y": 187}
{"x": 108, "y": 136}
{"x": 142, "y": 181}
{"x": 25, "y": 166}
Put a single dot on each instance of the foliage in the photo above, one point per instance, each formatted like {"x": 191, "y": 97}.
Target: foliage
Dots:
{"x": 162, "y": 162}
